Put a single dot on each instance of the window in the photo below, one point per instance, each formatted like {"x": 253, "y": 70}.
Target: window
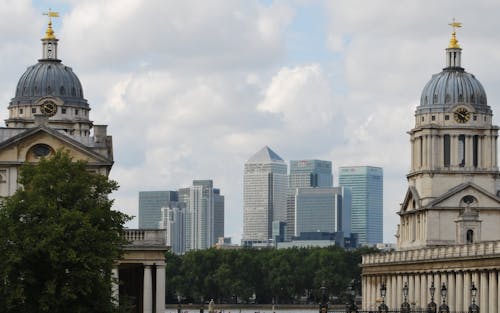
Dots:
{"x": 461, "y": 150}
{"x": 475, "y": 143}
{"x": 433, "y": 118}
{"x": 470, "y": 236}
{"x": 422, "y": 118}
{"x": 33, "y": 110}
{"x": 446, "y": 117}
{"x": 446, "y": 150}
{"x": 20, "y": 111}
{"x": 474, "y": 117}
{"x": 76, "y": 111}
{"x": 63, "y": 110}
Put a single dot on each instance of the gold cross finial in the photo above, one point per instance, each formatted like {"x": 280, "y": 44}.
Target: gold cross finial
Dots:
{"x": 453, "y": 40}
{"x": 49, "y": 33}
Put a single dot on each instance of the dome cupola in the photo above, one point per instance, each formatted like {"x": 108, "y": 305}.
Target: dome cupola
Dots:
{"x": 453, "y": 86}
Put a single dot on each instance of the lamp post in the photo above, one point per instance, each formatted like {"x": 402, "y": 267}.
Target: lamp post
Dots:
{"x": 323, "y": 305}
{"x": 432, "y": 307}
{"x": 382, "y": 308}
{"x": 202, "y": 307}
{"x": 351, "y": 306}
{"x": 473, "y": 308}
{"x": 443, "y": 308}
{"x": 405, "y": 306}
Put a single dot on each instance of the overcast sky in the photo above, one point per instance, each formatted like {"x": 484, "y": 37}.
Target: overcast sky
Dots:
{"x": 191, "y": 89}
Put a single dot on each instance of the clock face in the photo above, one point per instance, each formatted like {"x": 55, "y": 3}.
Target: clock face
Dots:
{"x": 462, "y": 115}
{"x": 49, "y": 108}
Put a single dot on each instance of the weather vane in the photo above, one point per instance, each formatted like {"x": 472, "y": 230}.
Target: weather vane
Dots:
{"x": 453, "y": 40}
{"x": 49, "y": 33}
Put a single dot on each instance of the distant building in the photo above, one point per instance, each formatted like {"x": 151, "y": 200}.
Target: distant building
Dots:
{"x": 150, "y": 204}
{"x": 305, "y": 173}
{"x": 264, "y": 195}
{"x": 172, "y": 221}
{"x": 218, "y": 214}
{"x": 323, "y": 210}
{"x": 225, "y": 243}
{"x": 366, "y": 183}
{"x": 201, "y": 210}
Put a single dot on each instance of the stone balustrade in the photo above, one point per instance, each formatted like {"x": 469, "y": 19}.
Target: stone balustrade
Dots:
{"x": 482, "y": 249}
{"x": 145, "y": 237}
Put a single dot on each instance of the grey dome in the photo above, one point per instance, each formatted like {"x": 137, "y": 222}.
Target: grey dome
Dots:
{"x": 49, "y": 78}
{"x": 450, "y": 87}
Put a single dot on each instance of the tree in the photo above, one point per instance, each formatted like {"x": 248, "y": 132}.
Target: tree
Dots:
{"x": 59, "y": 239}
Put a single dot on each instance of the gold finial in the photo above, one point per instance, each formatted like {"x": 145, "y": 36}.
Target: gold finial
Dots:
{"x": 453, "y": 40}
{"x": 49, "y": 33}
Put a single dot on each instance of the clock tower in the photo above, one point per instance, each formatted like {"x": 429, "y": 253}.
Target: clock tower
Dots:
{"x": 49, "y": 113}
{"x": 453, "y": 193}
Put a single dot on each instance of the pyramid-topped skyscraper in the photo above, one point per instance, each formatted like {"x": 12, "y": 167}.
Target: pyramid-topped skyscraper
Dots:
{"x": 264, "y": 195}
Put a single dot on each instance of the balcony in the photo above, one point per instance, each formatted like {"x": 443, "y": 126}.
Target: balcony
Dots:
{"x": 145, "y": 238}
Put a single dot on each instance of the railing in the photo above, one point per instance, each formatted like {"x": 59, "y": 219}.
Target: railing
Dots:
{"x": 142, "y": 237}
{"x": 390, "y": 311}
{"x": 482, "y": 249}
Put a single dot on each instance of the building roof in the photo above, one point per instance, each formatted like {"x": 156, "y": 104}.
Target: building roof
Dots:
{"x": 265, "y": 155}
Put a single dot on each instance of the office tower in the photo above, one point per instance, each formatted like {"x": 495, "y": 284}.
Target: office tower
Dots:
{"x": 264, "y": 195}
{"x": 150, "y": 204}
{"x": 184, "y": 198}
{"x": 305, "y": 173}
{"x": 218, "y": 214}
{"x": 172, "y": 221}
{"x": 366, "y": 183}
{"x": 322, "y": 209}
{"x": 201, "y": 209}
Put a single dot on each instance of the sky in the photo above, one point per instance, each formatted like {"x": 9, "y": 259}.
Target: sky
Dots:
{"x": 192, "y": 89}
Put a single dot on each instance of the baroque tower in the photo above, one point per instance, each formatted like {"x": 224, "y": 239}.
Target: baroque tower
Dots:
{"x": 49, "y": 113}
{"x": 453, "y": 193}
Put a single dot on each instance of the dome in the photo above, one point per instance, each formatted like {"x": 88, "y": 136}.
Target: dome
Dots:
{"x": 450, "y": 87}
{"x": 49, "y": 78}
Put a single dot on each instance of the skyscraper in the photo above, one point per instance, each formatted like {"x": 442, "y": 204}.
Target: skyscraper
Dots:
{"x": 366, "y": 183}
{"x": 323, "y": 210}
{"x": 305, "y": 173}
{"x": 172, "y": 220}
{"x": 218, "y": 214}
{"x": 264, "y": 195}
{"x": 150, "y": 204}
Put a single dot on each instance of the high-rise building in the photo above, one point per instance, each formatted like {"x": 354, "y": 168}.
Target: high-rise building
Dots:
{"x": 323, "y": 209}
{"x": 218, "y": 214}
{"x": 264, "y": 195}
{"x": 305, "y": 173}
{"x": 150, "y": 204}
{"x": 366, "y": 183}
{"x": 201, "y": 209}
{"x": 172, "y": 220}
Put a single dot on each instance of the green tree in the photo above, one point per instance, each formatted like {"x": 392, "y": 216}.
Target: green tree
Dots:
{"x": 59, "y": 239}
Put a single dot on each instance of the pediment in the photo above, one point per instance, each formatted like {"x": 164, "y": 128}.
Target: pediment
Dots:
{"x": 411, "y": 200}
{"x": 454, "y": 197}
{"x": 17, "y": 148}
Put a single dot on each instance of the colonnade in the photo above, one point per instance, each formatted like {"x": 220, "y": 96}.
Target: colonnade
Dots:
{"x": 458, "y": 283}
{"x": 149, "y": 305}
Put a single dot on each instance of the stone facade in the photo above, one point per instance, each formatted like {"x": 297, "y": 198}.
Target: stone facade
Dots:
{"x": 448, "y": 232}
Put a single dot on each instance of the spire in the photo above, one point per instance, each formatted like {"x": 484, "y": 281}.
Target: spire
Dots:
{"x": 49, "y": 33}
{"x": 453, "y": 39}
{"x": 454, "y": 52}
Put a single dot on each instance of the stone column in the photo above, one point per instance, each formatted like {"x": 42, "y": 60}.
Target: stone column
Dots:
{"x": 411, "y": 288}
{"x": 399, "y": 290}
{"x": 160, "y": 288}
{"x": 364, "y": 291}
{"x": 480, "y": 163}
{"x": 368, "y": 290}
{"x": 468, "y": 151}
{"x": 484, "y": 292}
{"x": 417, "y": 290}
{"x": 115, "y": 288}
{"x": 493, "y": 291}
{"x": 453, "y": 151}
{"x": 459, "y": 292}
{"x": 466, "y": 290}
{"x": 451, "y": 291}
{"x": 423, "y": 290}
{"x": 437, "y": 284}
{"x": 498, "y": 291}
{"x": 147, "y": 290}
{"x": 394, "y": 292}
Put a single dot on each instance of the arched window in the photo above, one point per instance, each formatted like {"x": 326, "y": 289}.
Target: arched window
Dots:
{"x": 470, "y": 236}
{"x": 446, "y": 150}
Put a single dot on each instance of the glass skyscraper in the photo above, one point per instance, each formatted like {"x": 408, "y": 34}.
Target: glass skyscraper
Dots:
{"x": 305, "y": 173}
{"x": 323, "y": 209}
{"x": 150, "y": 204}
{"x": 366, "y": 183}
{"x": 264, "y": 195}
